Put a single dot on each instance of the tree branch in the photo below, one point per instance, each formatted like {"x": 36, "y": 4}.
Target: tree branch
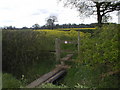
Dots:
{"x": 110, "y": 73}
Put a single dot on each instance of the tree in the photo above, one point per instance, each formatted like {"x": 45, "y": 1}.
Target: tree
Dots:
{"x": 105, "y": 18}
{"x": 9, "y": 28}
{"x": 98, "y": 7}
{"x": 24, "y": 27}
{"x": 51, "y": 20}
{"x": 36, "y": 26}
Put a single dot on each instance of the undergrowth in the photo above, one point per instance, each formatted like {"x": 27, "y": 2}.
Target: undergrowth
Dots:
{"x": 26, "y": 54}
{"x": 98, "y": 56}
{"x": 8, "y": 81}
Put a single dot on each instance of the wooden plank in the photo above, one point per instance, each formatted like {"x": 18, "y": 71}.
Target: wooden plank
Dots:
{"x": 56, "y": 76}
{"x": 63, "y": 66}
{"x": 68, "y": 57}
{"x": 109, "y": 73}
{"x": 44, "y": 78}
{"x": 68, "y": 51}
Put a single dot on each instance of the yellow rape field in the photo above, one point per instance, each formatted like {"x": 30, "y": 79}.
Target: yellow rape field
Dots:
{"x": 69, "y": 32}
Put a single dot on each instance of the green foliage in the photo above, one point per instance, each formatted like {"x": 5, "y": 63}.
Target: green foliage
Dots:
{"x": 80, "y": 86}
{"x": 0, "y": 80}
{"x": 23, "y": 49}
{"x": 36, "y": 70}
{"x": 98, "y": 55}
{"x": 28, "y": 52}
{"x": 50, "y": 85}
{"x": 8, "y": 81}
{"x": 102, "y": 47}
{"x": 110, "y": 82}
{"x": 81, "y": 76}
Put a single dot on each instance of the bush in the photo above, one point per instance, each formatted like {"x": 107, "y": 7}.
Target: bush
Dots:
{"x": 50, "y": 85}
{"x": 102, "y": 48}
{"x": 8, "y": 81}
{"x": 98, "y": 55}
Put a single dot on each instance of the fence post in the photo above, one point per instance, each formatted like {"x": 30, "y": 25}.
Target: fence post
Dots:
{"x": 78, "y": 43}
{"x": 57, "y": 49}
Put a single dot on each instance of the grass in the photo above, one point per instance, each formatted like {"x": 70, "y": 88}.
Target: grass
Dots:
{"x": 88, "y": 77}
{"x": 8, "y": 81}
{"x": 26, "y": 53}
{"x": 37, "y": 70}
{"x": 0, "y": 80}
{"x": 50, "y": 85}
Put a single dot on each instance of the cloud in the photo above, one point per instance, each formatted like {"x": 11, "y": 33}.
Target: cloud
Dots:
{"x": 36, "y": 13}
{"x": 47, "y": 12}
{"x": 6, "y": 8}
{"x": 44, "y": 11}
{"x": 40, "y": 11}
{"x": 8, "y": 21}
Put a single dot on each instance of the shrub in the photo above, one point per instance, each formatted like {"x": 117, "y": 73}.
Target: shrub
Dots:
{"x": 8, "y": 81}
{"x": 102, "y": 48}
{"x": 50, "y": 85}
{"x": 98, "y": 55}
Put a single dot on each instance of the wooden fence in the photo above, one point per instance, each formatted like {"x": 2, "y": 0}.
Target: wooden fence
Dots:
{"x": 58, "y": 50}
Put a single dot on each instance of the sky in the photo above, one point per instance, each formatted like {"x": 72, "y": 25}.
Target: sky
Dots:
{"x": 21, "y": 13}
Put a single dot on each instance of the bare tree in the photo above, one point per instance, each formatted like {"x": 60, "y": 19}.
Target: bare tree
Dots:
{"x": 94, "y": 7}
{"x": 51, "y": 21}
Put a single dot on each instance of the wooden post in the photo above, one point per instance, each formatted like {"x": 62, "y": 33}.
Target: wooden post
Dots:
{"x": 57, "y": 49}
{"x": 119, "y": 17}
{"x": 78, "y": 43}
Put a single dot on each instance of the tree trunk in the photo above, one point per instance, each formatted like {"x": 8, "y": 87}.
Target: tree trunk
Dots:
{"x": 99, "y": 19}
{"x": 99, "y": 16}
{"x": 52, "y": 25}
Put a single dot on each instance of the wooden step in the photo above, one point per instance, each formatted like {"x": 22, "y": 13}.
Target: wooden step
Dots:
{"x": 44, "y": 78}
{"x": 67, "y": 57}
{"x": 56, "y": 76}
{"x": 63, "y": 66}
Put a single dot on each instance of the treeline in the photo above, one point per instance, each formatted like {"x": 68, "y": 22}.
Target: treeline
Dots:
{"x": 37, "y": 26}
{"x": 68, "y": 26}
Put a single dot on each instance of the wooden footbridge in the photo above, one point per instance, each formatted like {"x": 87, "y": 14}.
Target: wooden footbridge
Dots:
{"x": 52, "y": 75}
{"x": 55, "y": 73}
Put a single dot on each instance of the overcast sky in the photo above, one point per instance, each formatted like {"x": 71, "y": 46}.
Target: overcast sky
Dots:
{"x": 20, "y": 13}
